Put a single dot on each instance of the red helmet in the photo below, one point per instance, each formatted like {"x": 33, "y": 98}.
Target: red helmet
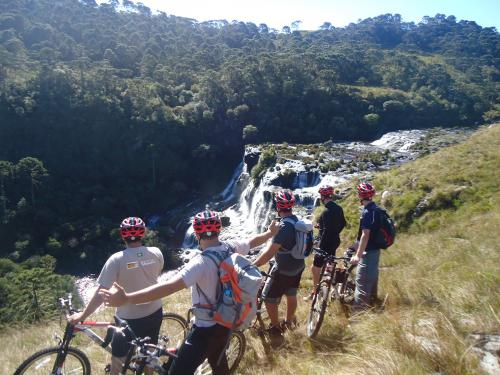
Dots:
{"x": 132, "y": 228}
{"x": 207, "y": 222}
{"x": 366, "y": 190}
{"x": 284, "y": 200}
{"x": 326, "y": 191}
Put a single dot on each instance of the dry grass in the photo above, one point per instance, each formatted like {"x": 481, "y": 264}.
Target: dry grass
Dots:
{"x": 442, "y": 283}
{"x": 25, "y": 341}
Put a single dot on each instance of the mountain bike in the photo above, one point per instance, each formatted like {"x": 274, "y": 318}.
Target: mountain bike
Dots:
{"x": 260, "y": 326}
{"x": 64, "y": 359}
{"x": 335, "y": 284}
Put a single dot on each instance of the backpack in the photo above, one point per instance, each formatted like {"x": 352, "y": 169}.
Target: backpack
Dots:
{"x": 240, "y": 281}
{"x": 387, "y": 231}
{"x": 303, "y": 238}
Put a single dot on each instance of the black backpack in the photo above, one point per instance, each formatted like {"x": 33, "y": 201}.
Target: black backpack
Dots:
{"x": 387, "y": 231}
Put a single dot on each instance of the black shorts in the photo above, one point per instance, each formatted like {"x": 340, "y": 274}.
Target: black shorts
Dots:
{"x": 319, "y": 259}
{"x": 142, "y": 327}
{"x": 279, "y": 285}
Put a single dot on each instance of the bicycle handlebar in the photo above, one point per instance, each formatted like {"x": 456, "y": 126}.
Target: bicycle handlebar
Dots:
{"x": 330, "y": 256}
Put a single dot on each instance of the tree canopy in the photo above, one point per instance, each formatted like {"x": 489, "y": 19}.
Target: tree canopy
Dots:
{"x": 112, "y": 110}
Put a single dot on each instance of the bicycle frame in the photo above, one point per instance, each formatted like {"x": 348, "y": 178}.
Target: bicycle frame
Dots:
{"x": 86, "y": 329}
{"x": 70, "y": 332}
{"x": 333, "y": 285}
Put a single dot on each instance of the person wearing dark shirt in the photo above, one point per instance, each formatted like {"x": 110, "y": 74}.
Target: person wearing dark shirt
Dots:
{"x": 330, "y": 224}
{"x": 286, "y": 272}
{"x": 367, "y": 252}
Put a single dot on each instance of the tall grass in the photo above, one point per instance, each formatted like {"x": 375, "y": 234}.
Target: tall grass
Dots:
{"x": 441, "y": 279}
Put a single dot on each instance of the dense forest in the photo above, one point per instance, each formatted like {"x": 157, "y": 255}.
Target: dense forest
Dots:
{"x": 113, "y": 110}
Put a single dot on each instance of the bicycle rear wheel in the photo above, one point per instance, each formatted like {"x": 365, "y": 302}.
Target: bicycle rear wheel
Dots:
{"x": 43, "y": 361}
{"x": 318, "y": 307}
{"x": 173, "y": 327}
{"x": 346, "y": 292}
{"x": 234, "y": 352}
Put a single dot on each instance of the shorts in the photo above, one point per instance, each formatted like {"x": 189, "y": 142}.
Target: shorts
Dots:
{"x": 279, "y": 285}
{"x": 142, "y": 327}
{"x": 319, "y": 260}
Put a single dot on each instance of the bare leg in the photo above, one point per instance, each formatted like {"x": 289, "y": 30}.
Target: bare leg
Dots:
{"x": 116, "y": 365}
{"x": 272, "y": 311}
{"x": 316, "y": 271}
{"x": 291, "y": 307}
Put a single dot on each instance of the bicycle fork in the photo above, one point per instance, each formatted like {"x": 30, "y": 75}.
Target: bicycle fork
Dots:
{"x": 57, "y": 369}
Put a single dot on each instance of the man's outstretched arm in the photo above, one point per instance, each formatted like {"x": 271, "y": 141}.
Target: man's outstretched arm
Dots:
{"x": 91, "y": 307}
{"x": 267, "y": 254}
{"x": 117, "y": 296}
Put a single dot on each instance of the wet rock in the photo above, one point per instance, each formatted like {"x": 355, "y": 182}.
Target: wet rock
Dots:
{"x": 251, "y": 157}
{"x": 290, "y": 179}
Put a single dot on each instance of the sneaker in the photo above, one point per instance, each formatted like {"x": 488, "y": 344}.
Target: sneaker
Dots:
{"x": 276, "y": 336}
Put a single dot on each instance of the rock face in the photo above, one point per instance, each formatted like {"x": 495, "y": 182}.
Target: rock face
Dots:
{"x": 291, "y": 179}
{"x": 251, "y": 157}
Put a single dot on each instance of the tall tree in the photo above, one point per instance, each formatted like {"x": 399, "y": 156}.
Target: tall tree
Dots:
{"x": 34, "y": 171}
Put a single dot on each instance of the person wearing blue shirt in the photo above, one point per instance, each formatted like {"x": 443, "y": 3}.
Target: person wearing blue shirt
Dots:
{"x": 367, "y": 251}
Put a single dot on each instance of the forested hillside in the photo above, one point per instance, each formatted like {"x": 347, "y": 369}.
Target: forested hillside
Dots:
{"x": 111, "y": 110}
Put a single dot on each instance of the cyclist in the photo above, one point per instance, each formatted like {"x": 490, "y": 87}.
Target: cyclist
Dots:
{"x": 207, "y": 339}
{"x": 286, "y": 272}
{"x": 330, "y": 224}
{"x": 367, "y": 252}
{"x": 135, "y": 267}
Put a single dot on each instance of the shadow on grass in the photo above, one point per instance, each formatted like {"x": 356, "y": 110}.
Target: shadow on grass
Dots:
{"x": 334, "y": 335}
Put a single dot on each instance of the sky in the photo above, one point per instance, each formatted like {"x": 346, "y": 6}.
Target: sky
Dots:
{"x": 313, "y": 13}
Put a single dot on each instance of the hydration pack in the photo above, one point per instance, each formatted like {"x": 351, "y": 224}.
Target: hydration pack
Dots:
{"x": 387, "y": 230}
{"x": 239, "y": 282}
{"x": 303, "y": 238}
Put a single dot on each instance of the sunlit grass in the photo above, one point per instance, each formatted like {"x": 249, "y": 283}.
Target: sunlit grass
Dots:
{"x": 440, "y": 280}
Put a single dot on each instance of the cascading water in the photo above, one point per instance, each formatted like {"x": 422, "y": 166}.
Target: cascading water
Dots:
{"x": 253, "y": 208}
{"x": 249, "y": 205}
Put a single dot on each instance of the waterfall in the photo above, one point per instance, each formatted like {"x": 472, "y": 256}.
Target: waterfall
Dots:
{"x": 229, "y": 191}
{"x": 249, "y": 205}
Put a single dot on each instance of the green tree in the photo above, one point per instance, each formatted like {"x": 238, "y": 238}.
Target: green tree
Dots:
{"x": 34, "y": 171}
{"x": 372, "y": 119}
{"x": 250, "y": 133}
{"x": 6, "y": 170}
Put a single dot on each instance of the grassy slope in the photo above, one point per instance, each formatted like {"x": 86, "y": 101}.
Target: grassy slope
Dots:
{"x": 441, "y": 278}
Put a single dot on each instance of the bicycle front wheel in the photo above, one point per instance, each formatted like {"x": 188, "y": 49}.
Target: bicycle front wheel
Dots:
{"x": 318, "y": 308}
{"x": 173, "y": 328}
{"x": 43, "y": 362}
{"x": 260, "y": 325}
